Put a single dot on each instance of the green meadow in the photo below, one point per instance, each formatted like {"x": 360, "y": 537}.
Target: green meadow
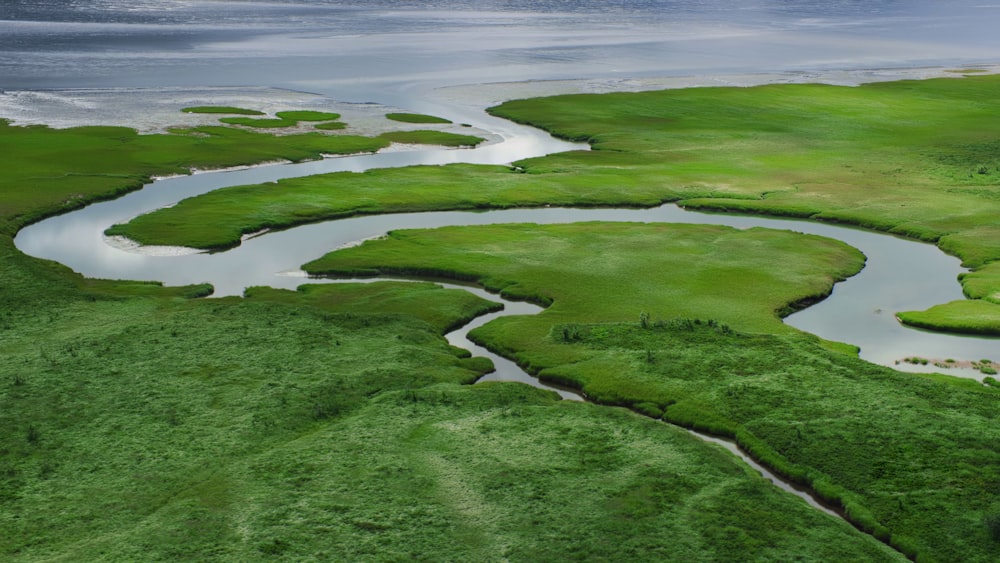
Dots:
{"x": 913, "y": 158}
{"x": 416, "y": 118}
{"x": 442, "y": 138}
{"x": 681, "y": 322}
{"x": 335, "y": 422}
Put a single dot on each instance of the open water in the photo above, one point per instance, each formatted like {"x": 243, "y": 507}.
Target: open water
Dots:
{"x": 390, "y": 50}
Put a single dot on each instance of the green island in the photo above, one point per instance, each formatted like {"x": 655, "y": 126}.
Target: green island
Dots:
{"x": 147, "y": 422}
{"x": 416, "y": 118}
{"x": 442, "y": 138}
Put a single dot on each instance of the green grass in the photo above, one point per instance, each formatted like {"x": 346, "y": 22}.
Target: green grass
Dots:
{"x": 442, "y": 138}
{"x": 967, "y": 317}
{"x": 709, "y": 270}
{"x": 443, "y": 309}
{"x": 264, "y": 123}
{"x": 415, "y": 118}
{"x": 909, "y": 457}
{"x": 330, "y": 126}
{"x": 307, "y": 115}
{"x": 222, "y": 109}
{"x": 327, "y": 423}
{"x": 48, "y": 171}
{"x": 914, "y": 158}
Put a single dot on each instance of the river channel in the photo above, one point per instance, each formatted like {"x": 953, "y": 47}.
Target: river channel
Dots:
{"x": 899, "y": 274}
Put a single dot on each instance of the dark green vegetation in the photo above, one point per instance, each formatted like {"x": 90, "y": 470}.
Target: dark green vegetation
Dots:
{"x": 442, "y": 138}
{"x": 307, "y": 115}
{"x": 48, "y": 171}
{"x": 329, "y": 423}
{"x": 910, "y": 458}
{"x": 222, "y": 109}
{"x": 712, "y": 271}
{"x": 416, "y": 118}
{"x": 915, "y": 158}
{"x": 330, "y": 126}
{"x": 261, "y": 123}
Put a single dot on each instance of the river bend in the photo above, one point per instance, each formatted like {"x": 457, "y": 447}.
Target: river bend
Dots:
{"x": 899, "y": 274}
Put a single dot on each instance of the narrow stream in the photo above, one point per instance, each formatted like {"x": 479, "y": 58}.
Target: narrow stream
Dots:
{"x": 506, "y": 370}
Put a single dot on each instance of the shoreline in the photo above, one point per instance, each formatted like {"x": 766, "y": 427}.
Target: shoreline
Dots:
{"x": 155, "y": 110}
{"x": 503, "y": 91}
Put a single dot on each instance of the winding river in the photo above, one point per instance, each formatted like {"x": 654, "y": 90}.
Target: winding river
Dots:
{"x": 899, "y": 274}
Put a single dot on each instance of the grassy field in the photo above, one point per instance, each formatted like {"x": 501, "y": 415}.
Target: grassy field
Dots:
{"x": 142, "y": 423}
{"x": 681, "y": 322}
{"x": 416, "y": 118}
{"x": 442, "y": 138}
{"x": 48, "y": 171}
{"x": 915, "y": 158}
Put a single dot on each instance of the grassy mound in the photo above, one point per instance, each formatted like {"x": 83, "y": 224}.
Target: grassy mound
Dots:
{"x": 442, "y": 138}
{"x": 415, "y": 118}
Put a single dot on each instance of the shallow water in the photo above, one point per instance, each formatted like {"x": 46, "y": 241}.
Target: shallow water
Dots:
{"x": 390, "y": 51}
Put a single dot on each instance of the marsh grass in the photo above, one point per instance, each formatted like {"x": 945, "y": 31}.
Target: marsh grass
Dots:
{"x": 442, "y": 138}
{"x": 866, "y": 438}
{"x": 967, "y": 317}
{"x": 307, "y": 115}
{"x": 330, "y": 126}
{"x": 914, "y": 158}
{"x": 142, "y": 425}
{"x": 261, "y": 123}
{"x": 49, "y": 171}
{"x": 416, "y": 118}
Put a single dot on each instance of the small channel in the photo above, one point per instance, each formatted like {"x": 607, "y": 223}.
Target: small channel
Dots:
{"x": 507, "y": 370}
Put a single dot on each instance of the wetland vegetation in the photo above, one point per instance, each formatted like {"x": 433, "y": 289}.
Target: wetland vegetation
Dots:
{"x": 680, "y": 322}
{"x": 416, "y": 118}
{"x": 335, "y": 421}
{"x": 912, "y": 158}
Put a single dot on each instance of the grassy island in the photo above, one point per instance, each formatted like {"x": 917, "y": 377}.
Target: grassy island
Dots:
{"x": 416, "y": 118}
